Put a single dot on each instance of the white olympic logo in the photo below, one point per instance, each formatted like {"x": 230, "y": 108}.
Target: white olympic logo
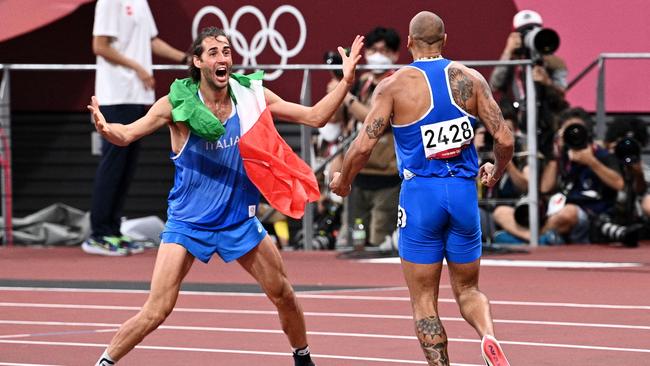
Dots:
{"x": 267, "y": 33}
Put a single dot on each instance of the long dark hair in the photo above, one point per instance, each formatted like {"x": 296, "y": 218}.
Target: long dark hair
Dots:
{"x": 196, "y": 48}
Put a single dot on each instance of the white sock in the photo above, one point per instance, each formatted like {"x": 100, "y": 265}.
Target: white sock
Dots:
{"x": 301, "y": 351}
{"x": 105, "y": 360}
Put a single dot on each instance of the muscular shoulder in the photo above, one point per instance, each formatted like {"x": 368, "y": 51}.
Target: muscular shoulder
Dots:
{"x": 403, "y": 78}
{"x": 465, "y": 83}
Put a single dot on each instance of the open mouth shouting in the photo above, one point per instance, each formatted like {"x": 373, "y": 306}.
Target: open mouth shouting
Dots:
{"x": 221, "y": 73}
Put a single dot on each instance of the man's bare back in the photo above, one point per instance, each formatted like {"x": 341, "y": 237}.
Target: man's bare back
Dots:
{"x": 412, "y": 97}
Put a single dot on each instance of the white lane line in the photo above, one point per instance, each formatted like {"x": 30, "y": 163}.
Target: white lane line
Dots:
{"x": 317, "y": 314}
{"x": 347, "y": 297}
{"x": 459, "y": 340}
{"x": 527, "y": 263}
{"x": 232, "y": 351}
{"x": 241, "y": 330}
{"x": 353, "y": 315}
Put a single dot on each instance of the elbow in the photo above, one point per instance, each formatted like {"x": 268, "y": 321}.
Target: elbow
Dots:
{"x": 99, "y": 47}
{"x": 317, "y": 120}
{"x": 619, "y": 184}
{"x": 319, "y": 123}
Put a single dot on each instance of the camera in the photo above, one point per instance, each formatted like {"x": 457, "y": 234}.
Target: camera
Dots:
{"x": 628, "y": 150}
{"x": 538, "y": 41}
{"x": 334, "y": 58}
{"x": 576, "y": 136}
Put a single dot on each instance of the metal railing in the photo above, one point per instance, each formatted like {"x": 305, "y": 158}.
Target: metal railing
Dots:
{"x": 599, "y": 62}
{"x": 306, "y": 132}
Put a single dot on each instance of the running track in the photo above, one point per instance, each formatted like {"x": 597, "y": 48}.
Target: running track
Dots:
{"x": 576, "y": 305}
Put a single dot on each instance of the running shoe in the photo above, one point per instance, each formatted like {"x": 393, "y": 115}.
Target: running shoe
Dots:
{"x": 132, "y": 246}
{"x": 492, "y": 352}
{"x": 105, "y": 245}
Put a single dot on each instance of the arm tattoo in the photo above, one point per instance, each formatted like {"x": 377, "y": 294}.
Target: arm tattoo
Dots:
{"x": 375, "y": 128}
{"x": 462, "y": 88}
{"x": 493, "y": 119}
{"x": 433, "y": 340}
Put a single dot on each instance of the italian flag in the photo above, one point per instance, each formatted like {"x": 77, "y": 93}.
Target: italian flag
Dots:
{"x": 284, "y": 179}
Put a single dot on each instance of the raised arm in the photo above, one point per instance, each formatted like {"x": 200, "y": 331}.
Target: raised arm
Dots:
{"x": 373, "y": 127}
{"x": 489, "y": 112}
{"x": 320, "y": 113}
{"x": 121, "y": 135}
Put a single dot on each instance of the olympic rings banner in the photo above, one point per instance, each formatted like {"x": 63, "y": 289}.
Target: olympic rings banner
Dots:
{"x": 267, "y": 35}
{"x": 301, "y": 32}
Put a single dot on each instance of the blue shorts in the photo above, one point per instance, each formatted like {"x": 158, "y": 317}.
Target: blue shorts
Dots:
{"x": 229, "y": 243}
{"x": 439, "y": 218}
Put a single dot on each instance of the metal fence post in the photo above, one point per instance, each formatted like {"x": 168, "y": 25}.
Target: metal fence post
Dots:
{"x": 531, "y": 125}
{"x": 305, "y": 146}
{"x": 600, "y": 100}
{"x": 5, "y": 156}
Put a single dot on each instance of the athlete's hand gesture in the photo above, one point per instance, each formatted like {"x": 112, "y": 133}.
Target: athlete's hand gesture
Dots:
{"x": 101, "y": 125}
{"x": 350, "y": 62}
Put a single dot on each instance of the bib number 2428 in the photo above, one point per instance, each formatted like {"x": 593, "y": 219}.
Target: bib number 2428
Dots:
{"x": 444, "y": 140}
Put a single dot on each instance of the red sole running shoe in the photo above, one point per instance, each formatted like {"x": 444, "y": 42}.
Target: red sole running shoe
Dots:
{"x": 492, "y": 352}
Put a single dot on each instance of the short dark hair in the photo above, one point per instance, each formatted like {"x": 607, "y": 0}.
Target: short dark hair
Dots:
{"x": 580, "y": 113}
{"x": 196, "y": 49}
{"x": 388, "y": 35}
{"x": 624, "y": 126}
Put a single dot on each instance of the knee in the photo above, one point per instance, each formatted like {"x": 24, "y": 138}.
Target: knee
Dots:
{"x": 463, "y": 290}
{"x": 503, "y": 215}
{"x": 153, "y": 316}
{"x": 283, "y": 296}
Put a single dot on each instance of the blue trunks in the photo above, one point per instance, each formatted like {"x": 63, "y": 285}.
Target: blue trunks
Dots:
{"x": 439, "y": 218}
{"x": 229, "y": 243}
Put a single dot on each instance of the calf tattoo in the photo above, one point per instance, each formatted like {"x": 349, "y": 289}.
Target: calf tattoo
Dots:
{"x": 433, "y": 340}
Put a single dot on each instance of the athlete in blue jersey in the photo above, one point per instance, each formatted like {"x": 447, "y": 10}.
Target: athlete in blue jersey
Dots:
{"x": 432, "y": 106}
{"x": 212, "y": 204}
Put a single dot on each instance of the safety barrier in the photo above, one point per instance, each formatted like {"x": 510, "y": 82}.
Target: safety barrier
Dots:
{"x": 305, "y": 99}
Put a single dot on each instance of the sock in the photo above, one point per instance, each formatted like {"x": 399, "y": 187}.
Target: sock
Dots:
{"x": 105, "y": 360}
{"x": 302, "y": 357}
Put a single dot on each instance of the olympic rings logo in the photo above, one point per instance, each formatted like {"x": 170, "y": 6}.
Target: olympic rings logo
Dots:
{"x": 266, "y": 34}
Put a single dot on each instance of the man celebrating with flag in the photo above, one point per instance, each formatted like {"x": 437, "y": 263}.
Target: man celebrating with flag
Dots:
{"x": 225, "y": 151}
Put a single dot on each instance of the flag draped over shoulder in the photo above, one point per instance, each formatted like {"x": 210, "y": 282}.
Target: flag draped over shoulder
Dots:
{"x": 284, "y": 179}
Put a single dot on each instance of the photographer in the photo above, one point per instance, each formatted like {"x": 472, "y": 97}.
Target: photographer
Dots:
{"x": 589, "y": 179}
{"x": 530, "y": 41}
{"x": 625, "y": 138}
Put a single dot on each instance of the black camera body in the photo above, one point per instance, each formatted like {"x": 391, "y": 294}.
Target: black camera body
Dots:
{"x": 576, "y": 136}
{"x": 334, "y": 58}
{"x": 628, "y": 151}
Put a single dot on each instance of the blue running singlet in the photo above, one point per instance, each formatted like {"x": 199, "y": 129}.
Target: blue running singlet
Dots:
{"x": 438, "y": 209}
{"x": 440, "y": 143}
{"x": 211, "y": 190}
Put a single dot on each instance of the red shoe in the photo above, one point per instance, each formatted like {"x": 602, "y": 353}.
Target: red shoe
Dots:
{"x": 492, "y": 352}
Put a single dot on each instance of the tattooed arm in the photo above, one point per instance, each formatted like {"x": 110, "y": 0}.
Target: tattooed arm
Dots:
{"x": 373, "y": 127}
{"x": 491, "y": 116}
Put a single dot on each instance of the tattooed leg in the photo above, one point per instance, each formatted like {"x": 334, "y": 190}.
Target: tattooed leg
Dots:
{"x": 433, "y": 340}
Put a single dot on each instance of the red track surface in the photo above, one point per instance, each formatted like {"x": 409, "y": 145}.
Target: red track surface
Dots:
{"x": 544, "y": 316}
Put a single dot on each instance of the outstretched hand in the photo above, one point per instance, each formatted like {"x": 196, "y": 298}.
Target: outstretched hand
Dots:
{"x": 350, "y": 62}
{"x": 102, "y": 126}
{"x": 98, "y": 117}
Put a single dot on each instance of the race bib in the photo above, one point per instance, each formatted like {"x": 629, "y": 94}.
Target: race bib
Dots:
{"x": 444, "y": 140}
